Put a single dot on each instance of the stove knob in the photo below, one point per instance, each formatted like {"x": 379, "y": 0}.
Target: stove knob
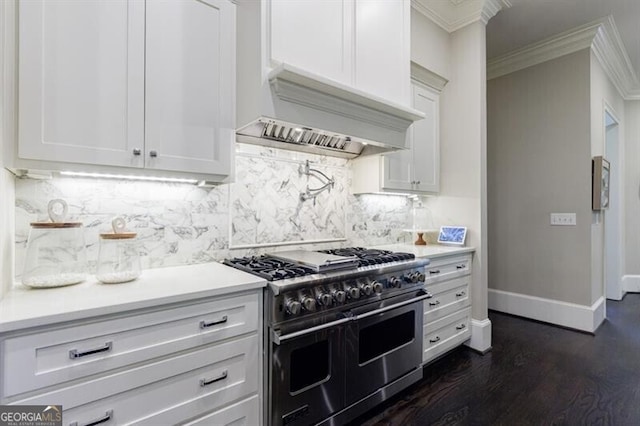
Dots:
{"x": 325, "y": 299}
{"x": 354, "y": 293}
{"x": 377, "y": 287}
{"x": 340, "y": 296}
{"x": 367, "y": 289}
{"x": 408, "y": 278}
{"x": 293, "y": 307}
{"x": 412, "y": 277}
{"x": 421, "y": 276}
{"x": 394, "y": 282}
{"x": 309, "y": 304}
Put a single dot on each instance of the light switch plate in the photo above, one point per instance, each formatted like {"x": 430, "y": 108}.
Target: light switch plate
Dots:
{"x": 563, "y": 219}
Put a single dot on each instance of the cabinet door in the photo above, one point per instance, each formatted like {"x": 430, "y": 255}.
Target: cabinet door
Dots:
{"x": 81, "y": 81}
{"x": 382, "y": 49}
{"x": 314, "y": 35}
{"x": 425, "y": 140}
{"x": 398, "y": 170}
{"x": 190, "y": 85}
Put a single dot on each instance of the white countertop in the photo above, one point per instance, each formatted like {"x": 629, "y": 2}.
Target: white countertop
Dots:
{"x": 23, "y": 307}
{"x": 430, "y": 251}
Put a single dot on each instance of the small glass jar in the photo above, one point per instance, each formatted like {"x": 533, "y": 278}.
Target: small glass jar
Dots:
{"x": 118, "y": 258}
{"x": 55, "y": 255}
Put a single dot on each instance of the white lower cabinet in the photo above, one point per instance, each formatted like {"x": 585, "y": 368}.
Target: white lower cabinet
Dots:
{"x": 447, "y": 315}
{"x": 184, "y": 364}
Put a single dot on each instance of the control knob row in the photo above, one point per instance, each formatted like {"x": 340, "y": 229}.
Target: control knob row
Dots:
{"x": 306, "y": 303}
{"x": 414, "y": 277}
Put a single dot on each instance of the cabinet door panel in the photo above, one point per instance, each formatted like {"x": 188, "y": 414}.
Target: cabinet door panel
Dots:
{"x": 398, "y": 170}
{"x": 426, "y": 146}
{"x": 382, "y": 48}
{"x": 190, "y": 79}
{"x": 81, "y": 81}
{"x": 313, "y": 35}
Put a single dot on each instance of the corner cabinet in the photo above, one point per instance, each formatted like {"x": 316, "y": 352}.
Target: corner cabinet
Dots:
{"x": 133, "y": 84}
{"x": 414, "y": 170}
{"x": 197, "y": 362}
{"x": 364, "y": 44}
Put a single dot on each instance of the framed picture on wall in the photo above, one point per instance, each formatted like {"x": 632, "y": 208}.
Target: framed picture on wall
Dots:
{"x": 600, "y": 170}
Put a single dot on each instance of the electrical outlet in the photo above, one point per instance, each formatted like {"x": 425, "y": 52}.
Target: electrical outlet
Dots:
{"x": 563, "y": 219}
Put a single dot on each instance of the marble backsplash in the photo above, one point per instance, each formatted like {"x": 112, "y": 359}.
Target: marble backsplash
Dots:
{"x": 260, "y": 212}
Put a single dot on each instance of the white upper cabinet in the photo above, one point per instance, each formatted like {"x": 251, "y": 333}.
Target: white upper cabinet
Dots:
{"x": 361, "y": 43}
{"x": 81, "y": 81}
{"x": 190, "y": 85}
{"x": 134, "y": 84}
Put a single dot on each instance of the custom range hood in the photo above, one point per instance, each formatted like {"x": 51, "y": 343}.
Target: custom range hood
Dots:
{"x": 298, "y": 110}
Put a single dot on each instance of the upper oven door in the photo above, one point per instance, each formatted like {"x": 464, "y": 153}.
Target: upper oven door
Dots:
{"x": 306, "y": 376}
{"x": 382, "y": 347}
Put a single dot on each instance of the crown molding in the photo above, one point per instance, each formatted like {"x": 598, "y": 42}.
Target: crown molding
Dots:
{"x": 601, "y": 36}
{"x": 455, "y": 14}
{"x": 425, "y": 76}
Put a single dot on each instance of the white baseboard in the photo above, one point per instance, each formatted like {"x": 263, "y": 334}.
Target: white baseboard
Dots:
{"x": 480, "y": 335}
{"x": 579, "y": 317}
{"x": 631, "y": 283}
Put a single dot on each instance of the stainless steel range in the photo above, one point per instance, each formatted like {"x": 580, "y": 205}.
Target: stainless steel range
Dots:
{"x": 343, "y": 331}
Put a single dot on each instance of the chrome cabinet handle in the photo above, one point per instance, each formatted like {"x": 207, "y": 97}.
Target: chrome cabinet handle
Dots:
{"x": 436, "y": 303}
{"x": 434, "y": 272}
{"x": 204, "y": 324}
{"x": 137, "y": 151}
{"x": 75, "y": 353}
{"x": 205, "y": 382}
{"x": 153, "y": 154}
{"x": 460, "y": 294}
{"x": 461, "y": 266}
{"x": 437, "y": 339}
{"x": 103, "y": 419}
{"x": 461, "y": 327}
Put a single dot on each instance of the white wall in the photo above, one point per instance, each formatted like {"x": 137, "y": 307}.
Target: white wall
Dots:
{"x": 632, "y": 192}
{"x": 430, "y": 45}
{"x": 539, "y": 161}
{"x": 603, "y": 95}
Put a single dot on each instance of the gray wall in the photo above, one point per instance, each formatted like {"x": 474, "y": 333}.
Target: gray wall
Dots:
{"x": 539, "y": 162}
{"x": 632, "y": 190}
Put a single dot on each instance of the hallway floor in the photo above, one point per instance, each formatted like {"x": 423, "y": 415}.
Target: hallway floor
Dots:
{"x": 536, "y": 374}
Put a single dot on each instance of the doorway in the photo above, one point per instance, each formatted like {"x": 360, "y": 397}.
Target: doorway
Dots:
{"x": 613, "y": 216}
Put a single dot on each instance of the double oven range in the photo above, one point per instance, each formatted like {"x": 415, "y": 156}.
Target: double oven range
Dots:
{"x": 343, "y": 331}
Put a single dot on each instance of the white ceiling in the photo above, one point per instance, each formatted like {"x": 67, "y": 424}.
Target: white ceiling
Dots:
{"x": 529, "y": 21}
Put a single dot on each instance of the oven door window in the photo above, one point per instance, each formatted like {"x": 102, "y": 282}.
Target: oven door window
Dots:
{"x": 385, "y": 336}
{"x": 310, "y": 365}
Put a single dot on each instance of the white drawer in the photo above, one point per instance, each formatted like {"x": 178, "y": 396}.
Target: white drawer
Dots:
{"x": 446, "y": 268}
{"x": 243, "y": 413}
{"x": 165, "y": 392}
{"x": 43, "y": 359}
{"x": 445, "y": 334}
{"x": 448, "y": 297}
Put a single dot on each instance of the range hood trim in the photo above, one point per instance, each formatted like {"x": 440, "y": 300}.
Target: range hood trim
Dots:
{"x": 289, "y": 73}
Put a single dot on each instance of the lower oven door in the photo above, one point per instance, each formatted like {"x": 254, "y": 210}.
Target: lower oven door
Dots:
{"x": 381, "y": 347}
{"x": 306, "y": 377}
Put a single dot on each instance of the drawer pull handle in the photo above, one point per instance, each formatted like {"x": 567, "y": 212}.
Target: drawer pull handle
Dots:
{"x": 103, "y": 419}
{"x": 436, "y": 340}
{"x": 436, "y": 303}
{"x": 205, "y": 382}
{"x": 204, "y": 324}
{"x": 461, "y": 327}
{"x": 434, "y": 272}
{"x": 461, "y": 266}
{"x": 75, "y": 354}
{"x": 460, "y": 294}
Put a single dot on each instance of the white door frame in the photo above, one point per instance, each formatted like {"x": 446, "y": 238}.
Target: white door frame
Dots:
{"x": 614, "y": 244}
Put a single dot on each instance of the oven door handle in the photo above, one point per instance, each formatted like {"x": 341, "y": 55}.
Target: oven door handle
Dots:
{"x": 394, "y": 306}
{"x": 278, "y": 338}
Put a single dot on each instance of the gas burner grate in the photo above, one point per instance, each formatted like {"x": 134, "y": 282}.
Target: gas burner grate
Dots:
{"x": 269, "y": 268}
{"x": 369, "y": 257}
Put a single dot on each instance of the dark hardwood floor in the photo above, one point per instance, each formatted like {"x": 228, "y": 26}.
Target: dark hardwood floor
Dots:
{"x": 536, "y": 374}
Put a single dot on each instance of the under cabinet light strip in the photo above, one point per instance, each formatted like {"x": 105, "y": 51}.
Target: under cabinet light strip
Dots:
{"x": 129, "y": 177}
